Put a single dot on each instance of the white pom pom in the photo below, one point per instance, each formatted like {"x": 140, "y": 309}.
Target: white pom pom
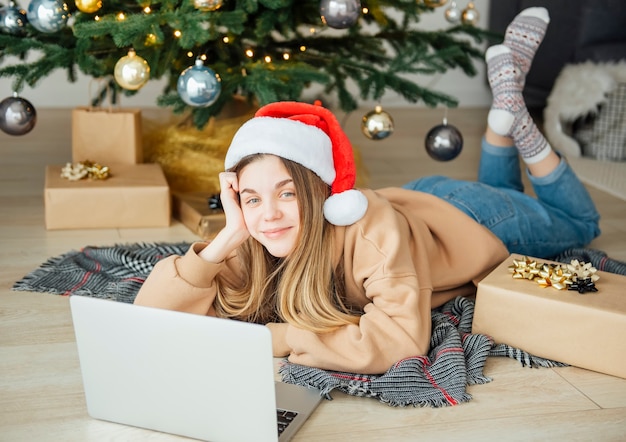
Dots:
{"x": 345, "y": 208}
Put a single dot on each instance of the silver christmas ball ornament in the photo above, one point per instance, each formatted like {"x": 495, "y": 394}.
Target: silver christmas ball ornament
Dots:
{"x": 198, "y": 85}
{"x": 444, "y": 142}
{"x": 340, "y": 14}
{"x": 13, "y": 20}
{"x": 131, "y": 71}
{"x": 48, "y": 16}
{"x": 377, "y": 124}
{"x": 17, "y": 115}
{"x": 453, "y": 13}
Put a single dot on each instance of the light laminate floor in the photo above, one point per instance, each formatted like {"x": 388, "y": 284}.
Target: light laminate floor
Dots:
{"x": 41, "y": 396}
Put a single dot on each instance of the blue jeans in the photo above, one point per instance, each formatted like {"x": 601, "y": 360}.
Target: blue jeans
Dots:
{"x": 562, "y": 216}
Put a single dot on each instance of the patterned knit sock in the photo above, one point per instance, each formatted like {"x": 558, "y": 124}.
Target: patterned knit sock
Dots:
{"x": 508, "y": 115}
{"x": 524, "y": 35}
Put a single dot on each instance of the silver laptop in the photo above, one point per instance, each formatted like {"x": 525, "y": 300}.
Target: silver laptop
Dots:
{"x": 191, "y": 375}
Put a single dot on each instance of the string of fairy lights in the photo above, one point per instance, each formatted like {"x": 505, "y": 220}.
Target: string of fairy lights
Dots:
{"x": 132, "y": 71}
{"x": 198, "y": 85}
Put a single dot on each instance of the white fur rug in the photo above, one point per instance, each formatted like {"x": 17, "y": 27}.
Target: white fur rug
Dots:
{"x": 577, "y": 92}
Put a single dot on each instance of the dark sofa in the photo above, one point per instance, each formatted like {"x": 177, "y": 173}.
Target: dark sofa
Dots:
{"x": 580, "y": 30}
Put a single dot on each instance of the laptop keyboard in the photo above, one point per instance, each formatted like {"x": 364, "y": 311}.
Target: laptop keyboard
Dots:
{"x": 285, "y": 417}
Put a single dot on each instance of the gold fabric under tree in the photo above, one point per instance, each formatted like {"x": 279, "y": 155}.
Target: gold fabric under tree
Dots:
{"x": 191, "y": 159}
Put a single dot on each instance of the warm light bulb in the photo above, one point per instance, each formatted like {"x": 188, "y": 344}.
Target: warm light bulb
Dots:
{"x": 249, "y": 53}
{"x": 226, "y": 40}
{"x": 203, "y": 57}
{"x": 189, "y": 54}
{"x": 147, "y": 10}
{"x": 120, "y": 16}
{"x": 177, "y": 33}
{"x": 365, "y": 10}
{"x": 267, "y": 59}
{"x": 286, "y": 56}
{"x": 302, "y": 48}
{"x": 97, "y": 18}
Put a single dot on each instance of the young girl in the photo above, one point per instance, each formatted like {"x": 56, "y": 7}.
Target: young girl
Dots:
{"x": 344, "y": 278}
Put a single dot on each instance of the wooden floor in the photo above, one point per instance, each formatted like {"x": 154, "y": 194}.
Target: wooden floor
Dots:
{"x": 41, "y": 396}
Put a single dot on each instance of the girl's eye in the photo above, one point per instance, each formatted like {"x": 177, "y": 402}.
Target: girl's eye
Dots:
{"x": 288, "y": 194}
{"x": 252, "y": 201}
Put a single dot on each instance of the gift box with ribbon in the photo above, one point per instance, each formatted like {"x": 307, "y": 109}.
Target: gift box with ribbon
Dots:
{"x": 91, "y": 196}
{"x": 200, "y": 212}
{"x": 569, "y": 313}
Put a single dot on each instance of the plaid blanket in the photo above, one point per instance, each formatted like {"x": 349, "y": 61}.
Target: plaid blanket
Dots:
{"x": 456, "y": 358}
{"x": 114, "y": 272}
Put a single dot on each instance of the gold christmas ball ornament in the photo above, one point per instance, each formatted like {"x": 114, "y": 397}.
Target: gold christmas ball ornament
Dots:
{"x": 131, "y": 71}
{"x": 377, "y": 124}
{"x": 207, "y": 5}
{"x": 88, "y": 6}
{"x": 435, "y": 3}
{"x": 470, "y": 15}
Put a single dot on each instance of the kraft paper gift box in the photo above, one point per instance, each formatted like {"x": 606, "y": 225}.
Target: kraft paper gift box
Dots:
{"x": 133, "y": 196}
{"x": 584, "y": 330}
{"x": 107, "y": 135}
{"x": 192, "y": 209}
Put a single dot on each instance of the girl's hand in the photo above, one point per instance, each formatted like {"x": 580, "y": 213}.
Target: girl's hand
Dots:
{"x": 229, "y": 196}
{"x": 235, "y": 232}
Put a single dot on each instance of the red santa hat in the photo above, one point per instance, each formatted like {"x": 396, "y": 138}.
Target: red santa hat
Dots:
{"x": 310, "y": 135}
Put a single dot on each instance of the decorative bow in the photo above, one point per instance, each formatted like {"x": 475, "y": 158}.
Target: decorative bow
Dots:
{"x": 85, "y": 170}
{"x": 579, "y": 276}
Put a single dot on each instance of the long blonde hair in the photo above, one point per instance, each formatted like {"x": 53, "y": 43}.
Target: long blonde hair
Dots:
{"x": 302, "y": 289}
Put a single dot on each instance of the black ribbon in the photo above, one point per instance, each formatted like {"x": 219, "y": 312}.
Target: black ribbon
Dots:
{"x": 215, "y": 202}
{"x": 583, "y": 286}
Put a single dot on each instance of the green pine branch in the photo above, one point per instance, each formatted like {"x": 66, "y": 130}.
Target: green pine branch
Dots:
{"x": 374, "y": 56}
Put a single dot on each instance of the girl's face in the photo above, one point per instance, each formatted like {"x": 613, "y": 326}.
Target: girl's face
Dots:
{"x": 269, "y": 205}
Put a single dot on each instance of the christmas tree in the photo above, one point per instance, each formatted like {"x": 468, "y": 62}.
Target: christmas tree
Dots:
{"x": 210, "y": 51}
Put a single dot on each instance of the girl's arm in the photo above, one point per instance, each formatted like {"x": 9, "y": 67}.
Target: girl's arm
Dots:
{"x": 187, "y": 283}
{"x": 381, "y": 275}
{"x": 183, "y": 283}
{"x": 391, "y": 329}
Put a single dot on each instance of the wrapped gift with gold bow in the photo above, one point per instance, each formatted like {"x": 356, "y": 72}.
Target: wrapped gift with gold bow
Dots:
{"x": 90, "y": 195}
{"x": 567, "y": 312}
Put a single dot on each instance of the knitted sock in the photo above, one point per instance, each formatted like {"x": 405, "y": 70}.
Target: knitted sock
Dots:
{"x": 524, "y": 35}
{"x": 508, "y": 115}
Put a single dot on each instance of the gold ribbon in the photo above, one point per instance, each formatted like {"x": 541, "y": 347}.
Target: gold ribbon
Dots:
{"x": 558, "y": 276}
{"x": 85, "y": 170}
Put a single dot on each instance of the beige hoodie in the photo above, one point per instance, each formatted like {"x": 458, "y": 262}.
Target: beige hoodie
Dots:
{"x": 409, "y": 253}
